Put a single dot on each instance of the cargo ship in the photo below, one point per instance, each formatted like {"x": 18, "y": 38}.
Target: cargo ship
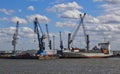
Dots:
{"x": 103, "y": 51}
{"x": 100, "y": 51}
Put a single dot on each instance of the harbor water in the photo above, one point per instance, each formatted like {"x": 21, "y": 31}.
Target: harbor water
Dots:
{"x": 61, "y": 66}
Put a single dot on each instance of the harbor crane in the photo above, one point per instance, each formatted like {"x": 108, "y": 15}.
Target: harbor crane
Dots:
{"x": 49, "y": 41}
{"x": 15, "y": 37}
{"x": 70, "y": 39}
{"x": 41, "y": 38}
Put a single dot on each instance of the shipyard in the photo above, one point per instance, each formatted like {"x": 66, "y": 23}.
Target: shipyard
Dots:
{"x": 60, "y": 37}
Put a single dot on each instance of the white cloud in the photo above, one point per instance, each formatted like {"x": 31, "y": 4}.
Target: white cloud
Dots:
{"x": 22, "y": 32}
{"x": 66, "y": 24}
{"x": 25, "y": 38}
{"x": 110, "y": 6}
{"x": 31, "y": 8}
{"x": 56, "y": 1}
{"x": 91, "y": 20}
{"x": 64, "y": 7}
{"x": 109, "y": 32}
{"x": 110, "y": 27}
{"x": 21, "y": 20}
{"x": 68, "y": 10}
{"x": 4, "y": 19}
{"x": 7, "y": 12}
{"x": 40, "y": 18}
{"x": 6, "y": 32}
{"x": 26, "y": 32}
{"x": 73, "y": 14}
{"x": 109, "y": 1}
{"x": 109, "y": 18}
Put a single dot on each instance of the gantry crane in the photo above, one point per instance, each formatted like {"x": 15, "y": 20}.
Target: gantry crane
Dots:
{"x": 15, "y": 37}
{"x": 70, "y": 39}
{"x": 41, "y": 38}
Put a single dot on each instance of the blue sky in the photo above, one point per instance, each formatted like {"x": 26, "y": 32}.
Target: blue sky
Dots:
{"x": 102, "y": 21}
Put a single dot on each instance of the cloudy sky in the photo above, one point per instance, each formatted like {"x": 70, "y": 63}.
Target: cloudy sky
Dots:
{"x": 102, "y": 21}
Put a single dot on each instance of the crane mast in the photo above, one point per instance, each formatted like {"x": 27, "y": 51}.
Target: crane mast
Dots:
{"x": 14, "y": 41}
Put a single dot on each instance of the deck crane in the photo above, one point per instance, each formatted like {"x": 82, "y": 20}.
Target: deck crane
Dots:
{"x": 41, "y": 38}
{"x": 50, "y": 46}
{"x": 61, "y": 42}
{"x": 15, "y": 37}
{"x": 70, "y": 39}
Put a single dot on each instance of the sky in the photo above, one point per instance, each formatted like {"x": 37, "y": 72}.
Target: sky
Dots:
{"x": 101, "y": 22}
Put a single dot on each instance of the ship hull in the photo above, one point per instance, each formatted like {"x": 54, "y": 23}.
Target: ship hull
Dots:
{"x": 85, "y": 55}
